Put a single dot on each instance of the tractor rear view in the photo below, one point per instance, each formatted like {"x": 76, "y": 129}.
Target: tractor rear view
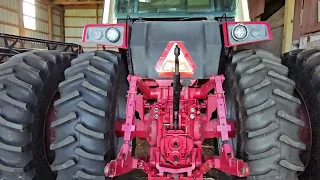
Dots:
{"x": 175, "y": 101}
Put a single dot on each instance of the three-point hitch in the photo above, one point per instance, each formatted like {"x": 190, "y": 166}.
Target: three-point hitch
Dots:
{"x": 175, "y": 125}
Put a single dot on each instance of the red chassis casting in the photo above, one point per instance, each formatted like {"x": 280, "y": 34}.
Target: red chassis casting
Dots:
{"x": 176, "y": 154}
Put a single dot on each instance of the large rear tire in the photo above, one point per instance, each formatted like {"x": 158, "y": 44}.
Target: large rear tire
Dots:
{"x": 304, "y": 69}
{"x": 27, "y": 81}
{"x": 84, "y": 138}
{"x": 266, "y": 115}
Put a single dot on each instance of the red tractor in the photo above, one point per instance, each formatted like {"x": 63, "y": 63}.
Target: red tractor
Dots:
{"x": 175, "y": 102}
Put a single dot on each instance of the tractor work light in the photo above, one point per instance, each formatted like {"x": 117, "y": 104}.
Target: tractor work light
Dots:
{"x": 236, "y": 33}
{"x": 239, "y": 32}
{"x": 96, "y": 34}
{"x": 110, "y": 35}
{"x": 113, "y": 35}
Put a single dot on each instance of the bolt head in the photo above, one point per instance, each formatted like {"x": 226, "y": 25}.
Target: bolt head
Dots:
{"x": 156, "y": 109}
{"x": 192, "y": 110}
{"x": 156, "y": 116}
{"x": 192, "y": 116}
{"x": 244, "y": 170}
{"x": 140, "y": 166}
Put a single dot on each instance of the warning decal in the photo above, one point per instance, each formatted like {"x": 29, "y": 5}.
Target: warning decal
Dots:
{"x": 166, "y": 64}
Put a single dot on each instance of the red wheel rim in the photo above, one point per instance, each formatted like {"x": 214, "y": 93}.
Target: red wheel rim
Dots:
{"x": 48, "y": 133}
{"x": 306, "y": 131}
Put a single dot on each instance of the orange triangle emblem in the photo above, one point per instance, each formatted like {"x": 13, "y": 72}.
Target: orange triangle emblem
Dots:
{"x": 166, "y": 63}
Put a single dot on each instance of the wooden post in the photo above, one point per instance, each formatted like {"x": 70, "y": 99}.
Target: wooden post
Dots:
{"x": 97, "y": 20}
{"x": 242, "y": 11}
{"x": 277, "y": 19}
{"x": 22, "y": 31}
{"x": 318, "y": 11}
{"x": 288, "y": 26}
{"x": 108, "y": 11}
{"x": 50, "y": 26}
{"x": 62, "y": 35}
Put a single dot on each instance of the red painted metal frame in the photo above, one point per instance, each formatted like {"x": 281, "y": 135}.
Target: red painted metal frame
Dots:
{"x": 227, "y": 34}
{"x": 125, "y": 36}
{"x": 226, "y": 37}
{"x": 176, "y": 154}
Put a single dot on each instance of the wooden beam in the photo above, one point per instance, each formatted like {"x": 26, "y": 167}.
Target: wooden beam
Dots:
{"x": 44, "y": 2}
{"x": 38, "y": 19}
{"x": 57, "y": 7}
{"x": 50, "y": 25}
{"x": 256, "y": 8}
{"x": 97, "y": 20}
{"x": 22, "y": 31}
{"x": 58, "y": 25}
{"x": 318, "y": 11}
{"x": 74, "y": 37}
{"x": 8, "y": 24}
{"x": 38, "y": 31}
{"x": 8, "y": 9}
{"x": 83, "y": 16}
{"x": 277, "y": 19}
{"x": 82, "y": 6}
{"x": 40, "y": 5}
{"x": 64, "y": 2}
{"x": 288, "y": 26}
{"x": 73, "y": 26}
{"x": 62, "y": 25}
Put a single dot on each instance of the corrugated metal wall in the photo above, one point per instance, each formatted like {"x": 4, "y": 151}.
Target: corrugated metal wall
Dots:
{"x": 9, "y": 16}
{"x": 42, "y": 26}
{"x": 75, "y": 20}
{"x": 57, "y": 26}
{"x": 306, "y": 17}
{"x": 11, "y": 23}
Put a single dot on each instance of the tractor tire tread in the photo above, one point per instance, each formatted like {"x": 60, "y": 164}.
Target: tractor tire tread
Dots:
{"x": 25, "y": 79}
{"x": 88, "y": 176}
{"x": 12, "y": 148}
{"x": 270, "y": 128}
{"x": 291, "y": 142}
{"x": 82, "y": 129}
{"x": 83, "y": 112}
{"x": 87, "y": 155}
{"x": 63, "y": 166}
{"x": 13, "y": 102}
{"x": 266, "y": 99}
{"x": 83, "y": 105}
{"x": 12, "y": 125}
{"x": 291, "y": 166}
{"x": 69, "y": 97}
{"x": 71, "y": 116}
{"x": 304, "y": 69}
{"x": 62, "y": 143}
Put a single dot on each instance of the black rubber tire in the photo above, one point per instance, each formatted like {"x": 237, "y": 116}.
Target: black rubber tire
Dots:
{"x": 84, "y": 140}
{"x": 27, "y": 81}
{"x": 304, "y": 69}
{"x": 268, "y": 137}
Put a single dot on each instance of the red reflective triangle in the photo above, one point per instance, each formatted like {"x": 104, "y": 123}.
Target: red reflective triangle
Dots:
{"x": 165, "y": 64}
